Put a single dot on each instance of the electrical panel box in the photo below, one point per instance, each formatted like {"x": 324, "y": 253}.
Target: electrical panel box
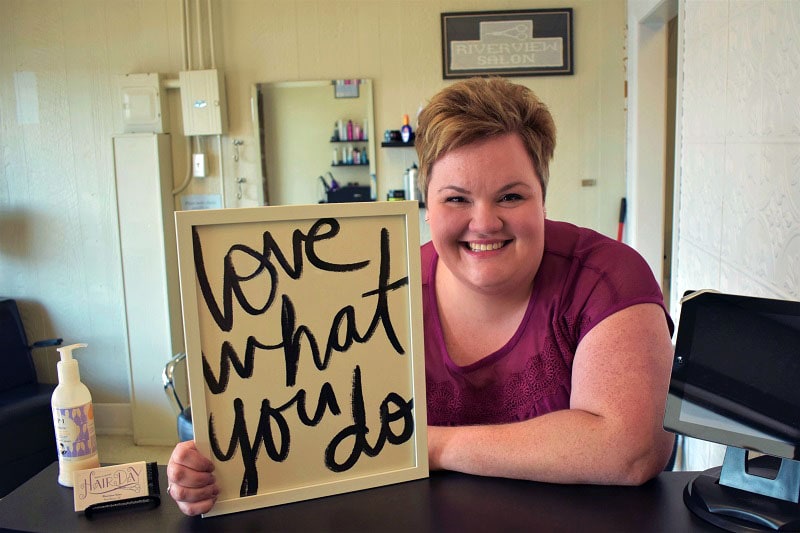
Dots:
{"x": 203, "y": 102}
{"x": 142, "y": 104}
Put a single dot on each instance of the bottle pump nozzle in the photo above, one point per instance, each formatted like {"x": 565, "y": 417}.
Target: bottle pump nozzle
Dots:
{"x": 68, "y": 367}
{"x": 66, "y": 351}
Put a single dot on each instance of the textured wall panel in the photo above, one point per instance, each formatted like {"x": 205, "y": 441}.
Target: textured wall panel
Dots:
{"x": 740, "y": 169}
{"x": 739, "y": 216}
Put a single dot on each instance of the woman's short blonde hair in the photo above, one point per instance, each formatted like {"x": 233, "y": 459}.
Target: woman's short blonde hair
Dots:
{"x": 480, "y": 108}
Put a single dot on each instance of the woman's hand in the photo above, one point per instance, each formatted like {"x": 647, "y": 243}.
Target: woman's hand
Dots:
{"x": 191, "y": 482}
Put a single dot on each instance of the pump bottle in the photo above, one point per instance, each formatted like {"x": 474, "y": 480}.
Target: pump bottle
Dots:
{"x": 73, "y": 417}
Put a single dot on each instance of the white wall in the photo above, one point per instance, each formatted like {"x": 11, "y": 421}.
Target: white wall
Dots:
{"x": 59, "y": 241}
{"x": 739, "y": 202}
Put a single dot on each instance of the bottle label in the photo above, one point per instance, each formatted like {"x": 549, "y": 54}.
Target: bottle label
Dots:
{"x": 75, "y": 435}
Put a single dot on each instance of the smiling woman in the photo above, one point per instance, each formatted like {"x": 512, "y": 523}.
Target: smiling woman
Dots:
{"x": 528, "y": 342}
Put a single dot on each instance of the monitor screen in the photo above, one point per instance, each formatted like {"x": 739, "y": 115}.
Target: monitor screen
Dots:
{"x": 736, "y": 373}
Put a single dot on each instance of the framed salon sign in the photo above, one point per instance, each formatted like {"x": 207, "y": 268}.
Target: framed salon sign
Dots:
{"x": 527, "y": 42}
{"x": 304, "y": 345}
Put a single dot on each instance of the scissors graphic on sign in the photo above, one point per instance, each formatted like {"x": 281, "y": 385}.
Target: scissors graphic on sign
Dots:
{"x": 519, "y": 32}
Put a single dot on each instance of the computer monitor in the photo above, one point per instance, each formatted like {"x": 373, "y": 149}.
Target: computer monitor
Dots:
{"x": 736, "y": 381}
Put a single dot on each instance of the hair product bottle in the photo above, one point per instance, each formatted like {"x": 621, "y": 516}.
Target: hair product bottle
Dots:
{"x": 405, "y": 130}
{"x": 412, "y": 191}
{"x": 73, "y": 416}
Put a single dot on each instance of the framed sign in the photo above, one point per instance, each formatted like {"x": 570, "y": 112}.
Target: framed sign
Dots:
{"x": 304, "y": 346}
{"x": 532, "y": 42}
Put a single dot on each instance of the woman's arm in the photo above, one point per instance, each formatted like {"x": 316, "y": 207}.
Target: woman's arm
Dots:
{"x": 612, "y": 433}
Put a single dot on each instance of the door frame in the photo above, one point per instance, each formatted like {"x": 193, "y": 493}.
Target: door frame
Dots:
{"x": 648, "y": 32}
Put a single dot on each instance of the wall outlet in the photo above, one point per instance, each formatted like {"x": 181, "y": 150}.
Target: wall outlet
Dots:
{"x": 199, "y": 165}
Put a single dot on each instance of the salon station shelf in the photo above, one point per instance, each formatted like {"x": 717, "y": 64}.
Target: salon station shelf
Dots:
{"x": 397, "y": 144}
{"x": 353, "y": 145}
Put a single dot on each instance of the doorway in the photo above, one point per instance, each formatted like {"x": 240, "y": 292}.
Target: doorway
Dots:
{"x": 653, "y": 148}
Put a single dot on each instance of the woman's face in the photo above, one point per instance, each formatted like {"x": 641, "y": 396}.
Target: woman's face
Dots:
{"x": 486, "y": 214}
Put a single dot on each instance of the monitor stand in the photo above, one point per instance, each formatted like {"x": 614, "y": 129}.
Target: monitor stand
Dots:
{"x": 757, "y": 495}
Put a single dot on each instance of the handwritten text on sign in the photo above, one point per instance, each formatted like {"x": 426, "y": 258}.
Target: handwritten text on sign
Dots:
{"x": 304, "y": 334}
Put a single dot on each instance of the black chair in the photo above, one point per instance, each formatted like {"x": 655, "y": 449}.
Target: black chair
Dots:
{"x": 174, "y": 370}
{"x": 26, "y": 420}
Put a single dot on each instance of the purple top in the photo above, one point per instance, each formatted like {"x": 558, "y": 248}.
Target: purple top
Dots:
{"x": 583, "y": 278}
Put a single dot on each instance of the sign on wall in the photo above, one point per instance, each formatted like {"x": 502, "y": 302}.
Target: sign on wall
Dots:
{"x": 304, "y": 345}
{"x": 530, "y": 42}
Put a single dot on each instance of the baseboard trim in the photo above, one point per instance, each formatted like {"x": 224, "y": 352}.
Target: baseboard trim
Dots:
{"x": 113, "y": 419}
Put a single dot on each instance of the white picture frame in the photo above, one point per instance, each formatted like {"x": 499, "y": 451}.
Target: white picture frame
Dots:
{"x": 305, "y": 349}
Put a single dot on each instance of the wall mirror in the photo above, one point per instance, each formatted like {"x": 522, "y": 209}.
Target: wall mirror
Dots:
{"x": 302, "y": 144}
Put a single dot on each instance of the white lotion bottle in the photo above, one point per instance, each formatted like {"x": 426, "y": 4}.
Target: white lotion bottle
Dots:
{"x": 73, "y": 417}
